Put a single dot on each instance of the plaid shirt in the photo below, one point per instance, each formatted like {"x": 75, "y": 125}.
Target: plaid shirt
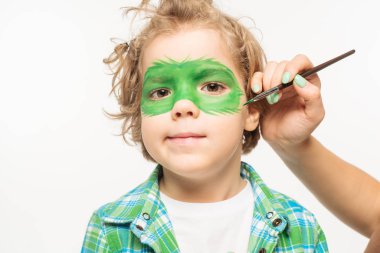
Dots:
{"x": 139, "y": 222}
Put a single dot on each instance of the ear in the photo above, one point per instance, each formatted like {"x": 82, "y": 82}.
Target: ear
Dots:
{"x": 252, "y": 121}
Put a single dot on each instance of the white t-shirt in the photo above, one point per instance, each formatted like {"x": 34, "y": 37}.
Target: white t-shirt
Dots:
{"x": 217, "y": 227}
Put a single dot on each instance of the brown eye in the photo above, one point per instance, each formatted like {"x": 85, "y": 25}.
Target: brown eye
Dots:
{"x": 213, "y": 88}
{"x": 159, "y": 93}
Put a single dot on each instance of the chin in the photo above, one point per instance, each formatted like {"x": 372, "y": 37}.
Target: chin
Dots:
{"x": 188, "y": 165}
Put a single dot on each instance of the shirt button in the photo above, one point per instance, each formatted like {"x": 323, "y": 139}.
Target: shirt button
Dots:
{"x": 146, "y": 216}
{"x": 276, "y": 222}
{"x": 139, "y": 227}
{"x": 262, "y": 250}
{"x": 269, "y": 215}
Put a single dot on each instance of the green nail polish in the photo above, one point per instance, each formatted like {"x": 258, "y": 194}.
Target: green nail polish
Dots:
{"x": 300, "y": 81}
{"x": 286, "y": 77}
{"x": 256, "y": 88}
{"x": 269, "y": 99}
{"x": 275, "y": 98}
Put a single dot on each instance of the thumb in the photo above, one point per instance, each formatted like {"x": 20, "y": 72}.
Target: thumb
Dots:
{"x": 311, "y": 94}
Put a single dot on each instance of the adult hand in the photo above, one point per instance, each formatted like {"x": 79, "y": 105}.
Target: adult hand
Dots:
{"x": 297, "y": 110}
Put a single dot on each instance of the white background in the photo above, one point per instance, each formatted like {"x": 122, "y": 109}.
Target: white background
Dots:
{"x": 60, "y": 158}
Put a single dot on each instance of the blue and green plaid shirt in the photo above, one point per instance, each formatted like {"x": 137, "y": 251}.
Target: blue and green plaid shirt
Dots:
{"x": 139, "y": 222}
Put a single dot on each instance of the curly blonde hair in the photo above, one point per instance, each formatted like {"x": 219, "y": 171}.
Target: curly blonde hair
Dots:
{"x": 168, "y": 17}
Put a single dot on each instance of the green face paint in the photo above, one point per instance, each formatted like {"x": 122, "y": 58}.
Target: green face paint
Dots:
{"x": 184, "y": 80}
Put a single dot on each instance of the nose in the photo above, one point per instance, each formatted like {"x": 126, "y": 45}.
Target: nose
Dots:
{"x": 184, "y": 108}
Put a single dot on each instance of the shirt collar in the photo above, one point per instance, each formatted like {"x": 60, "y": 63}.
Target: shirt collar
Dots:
{"x": 141, "y": 204}
{"x": 143, "y": 199}
{"x": 267, "y": 202}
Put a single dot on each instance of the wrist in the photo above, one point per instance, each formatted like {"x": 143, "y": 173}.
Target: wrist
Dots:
{"x": 291, "y": 151}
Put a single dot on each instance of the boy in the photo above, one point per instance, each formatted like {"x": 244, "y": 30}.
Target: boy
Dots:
{"x": 183, "y": 83}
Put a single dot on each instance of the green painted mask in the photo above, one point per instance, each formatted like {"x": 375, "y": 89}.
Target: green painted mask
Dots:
{"x": 166, "y": 82}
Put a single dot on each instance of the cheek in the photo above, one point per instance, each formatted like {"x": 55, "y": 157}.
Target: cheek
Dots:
{"x": 149, "y": 136}
{"x": 227, "y": 136}
{"x": 146, "y": 130}
{"x": 228, "y": 125}
{"x": 243, "y": 98}
{"x": 153, "y": 128}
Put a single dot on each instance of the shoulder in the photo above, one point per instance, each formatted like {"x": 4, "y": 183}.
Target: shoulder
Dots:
{"x": 128, "y": 207}
{"x": 125, "y": 207}
{"x": 112, "y": 221}
{"x": 294, "y": 210}
{"x": 301, "y": 223}
{"x": 268, "y": 199}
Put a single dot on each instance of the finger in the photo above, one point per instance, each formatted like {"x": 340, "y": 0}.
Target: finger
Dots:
{"x": 298, "y": 64}
{"x": 257, "y": 82}
{"x": 311, "y": 94}
{"x": 268, "y": 72}
{"x": 277, "y": 74}
{"x": 274, "y": 98}
{"x": 276, "y": 80}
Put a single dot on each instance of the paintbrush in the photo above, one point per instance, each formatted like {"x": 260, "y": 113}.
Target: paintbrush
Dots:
{"x": 303, "y": 74}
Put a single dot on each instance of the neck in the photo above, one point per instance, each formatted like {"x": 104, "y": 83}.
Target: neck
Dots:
{"x": 214, "y": 184}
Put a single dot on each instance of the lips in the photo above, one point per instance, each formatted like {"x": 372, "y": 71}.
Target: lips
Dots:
{"x": 186, "y": 135}
{"x": 186, "y": 139}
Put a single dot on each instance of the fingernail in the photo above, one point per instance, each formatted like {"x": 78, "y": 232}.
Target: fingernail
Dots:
{"x": 300, "y": 81}
{"x": 285, "y": 77}
{"x": 276, "y": 97}
{"x": 273, "y": 98}
{"x": 269, "y": 99}
{"x": 256, "y": 88}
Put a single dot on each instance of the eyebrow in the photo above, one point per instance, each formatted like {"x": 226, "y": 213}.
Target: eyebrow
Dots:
{"x": 160, "y": 79}
{"x": 210, "y": 67}
{"x": 207, "y": 71}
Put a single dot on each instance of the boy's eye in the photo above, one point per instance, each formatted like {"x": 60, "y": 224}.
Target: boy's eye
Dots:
{"x": 214, "y": 88}
{"x": 159, "y": 93}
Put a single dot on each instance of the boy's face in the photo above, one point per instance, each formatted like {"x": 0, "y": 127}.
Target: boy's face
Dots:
{"x": 192, "y": 113}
